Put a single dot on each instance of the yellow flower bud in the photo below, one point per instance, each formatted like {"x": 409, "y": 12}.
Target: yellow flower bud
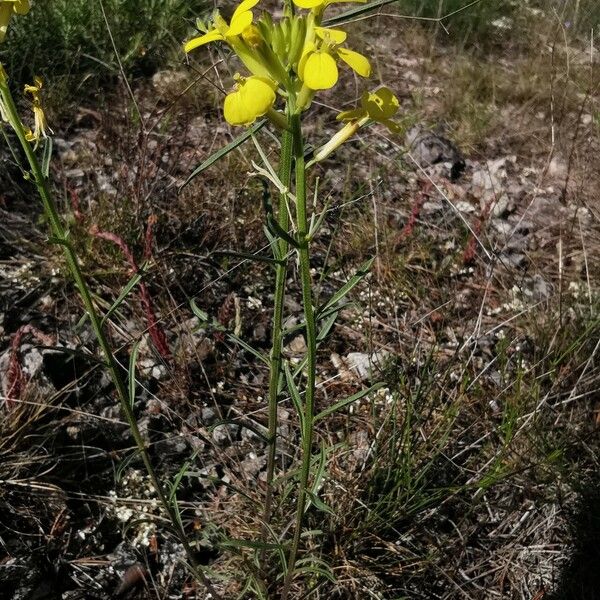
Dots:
{"x": 253, "y": 97}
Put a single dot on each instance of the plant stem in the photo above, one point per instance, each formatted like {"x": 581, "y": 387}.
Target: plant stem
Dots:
{"x": 61, "y": 237}
{"x": 311, "y": 344}
{"x": 285, "y": 174}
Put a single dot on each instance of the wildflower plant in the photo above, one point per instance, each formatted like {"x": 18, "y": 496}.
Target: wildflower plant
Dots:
{"x": 285, "y": 63}
{"x": 288, "y": 62}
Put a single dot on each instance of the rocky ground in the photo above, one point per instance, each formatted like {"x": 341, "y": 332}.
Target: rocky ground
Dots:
{"x": 472, "y": 474}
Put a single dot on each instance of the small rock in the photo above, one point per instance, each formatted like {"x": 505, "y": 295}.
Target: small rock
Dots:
{"x": 208, "y": 415}
{"x": 513, "y": 259}
{"x": 223, "y": 433}
{"x": 557, "y": 168}
{"x": 429, "y": 148}
{"x": 503, "y": 207}
{"x": 297, "y": 345}
{"x": 464, "y": 207}
{"x": 74, "y": 174}
{"x": 169, "y": 83}
{"x": 502, "y": 226}
{"x": 359, "y": 365}
{"x": 432, "y": 207}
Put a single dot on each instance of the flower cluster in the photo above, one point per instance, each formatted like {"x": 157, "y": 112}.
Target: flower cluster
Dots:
{"x": 293, "y": 58}
{"x": 7, "y": 9}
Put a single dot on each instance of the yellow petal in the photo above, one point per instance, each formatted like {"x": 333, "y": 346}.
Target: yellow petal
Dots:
{"x": 380, "y": 104}
{"x": 335, "y": 35}
{"x": 211, "y": 36}
{"x": 392, "y": 126}
{"x": 307, "y": 4}
{"x": 244, "y": 6}
{"x": 319, "y": 71}
{"x": 356, "y": 61}
{"x": 239, "y": 22}
{"x": 253, "y": 98}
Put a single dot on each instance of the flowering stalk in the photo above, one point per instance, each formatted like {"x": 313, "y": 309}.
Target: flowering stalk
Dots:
{"x": 61, "y": 236}
{"x": 311, "y": 344}
{"x": 289, "y": 61}
{"x": 280, "y": 255}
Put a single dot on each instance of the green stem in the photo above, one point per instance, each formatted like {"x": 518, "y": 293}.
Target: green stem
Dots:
{"x": 280, "y": 254}
{"x": 61, "y": 236}
{"x": 311, "y": 343}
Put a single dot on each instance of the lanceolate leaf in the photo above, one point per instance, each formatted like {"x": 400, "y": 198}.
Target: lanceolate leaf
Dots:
{"x": 295, "y": 396}
{"x": 347, "y": 401}
{"x": 219, "y": 154}
{"x": 362, "y": 272}
{"x": 124, "y": 293}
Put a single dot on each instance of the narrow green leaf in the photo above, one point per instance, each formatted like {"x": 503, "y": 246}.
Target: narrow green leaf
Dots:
{"x": 320, "y": 470}
{"x": 247, "y": 256}
{"x": 277, "y": 230}
{"x": 201, "y": 314}
{"x": 328, "y": 317}
{"x": 213, "y": 158}
{"x": 295, "y": 396}
{"x": 342, "y": 403}
{"x": 360, "y": 274}
{"x": 137, "y": 277}
{"x": 328, "y": 323}
{"x": 319, "y": 504}
{"x": 371, "y": 6}
{"x": 319, "y": 571}
{"x": 233, "y": 543}
{"x": 180, "y": 475}
{"x": 334, "y": 310}
{"x": 273, "y": 243}
{"x": 131, "y": 373}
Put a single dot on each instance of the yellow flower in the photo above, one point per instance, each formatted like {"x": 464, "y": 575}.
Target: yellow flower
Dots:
{"x": 253, "y": 97}
{"x": 318, "y": 68}
{"x": 7, "y": 8}
{"x": 223, "y": 31}
{"x": 40, "y": 123}
{"x": 380, "y": 106}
